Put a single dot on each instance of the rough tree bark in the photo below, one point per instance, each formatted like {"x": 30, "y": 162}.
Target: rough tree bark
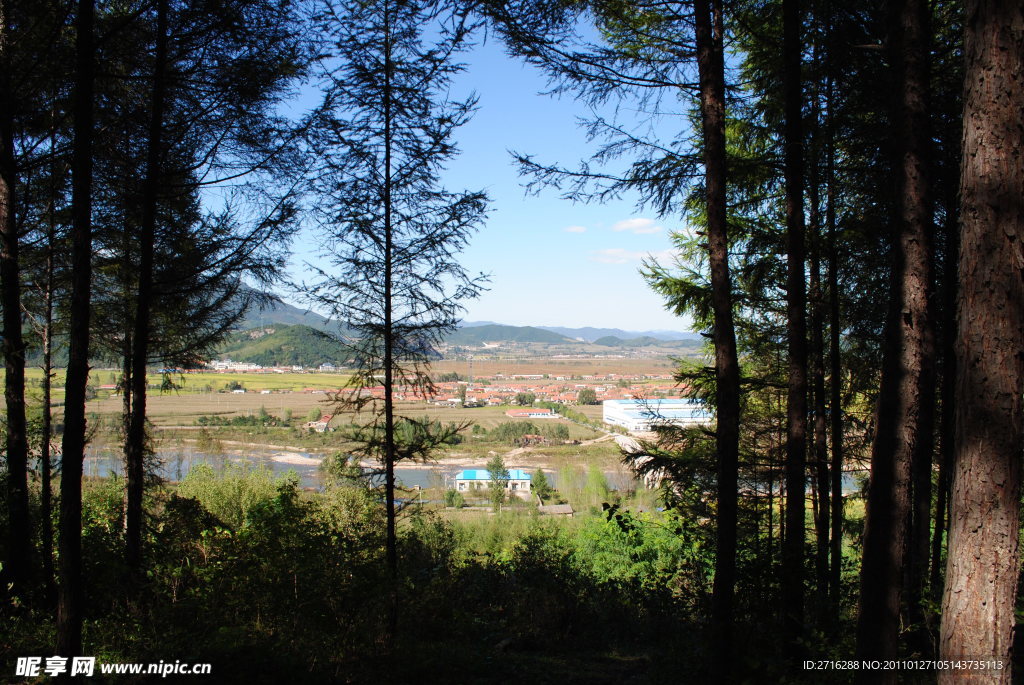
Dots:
{"x": 982, "y": 567}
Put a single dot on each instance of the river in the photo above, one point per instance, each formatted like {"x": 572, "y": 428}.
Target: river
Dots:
{"x": 175, "y": 463}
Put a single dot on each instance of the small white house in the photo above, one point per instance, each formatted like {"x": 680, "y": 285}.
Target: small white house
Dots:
{"x": 321, "y": 426}
{"x": 480, "y": 479}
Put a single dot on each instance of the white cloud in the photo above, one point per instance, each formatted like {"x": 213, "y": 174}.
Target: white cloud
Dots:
{"x": 575, "y": 229}
{"x": 637, "y": 226}
{"x": 617, "y": 255}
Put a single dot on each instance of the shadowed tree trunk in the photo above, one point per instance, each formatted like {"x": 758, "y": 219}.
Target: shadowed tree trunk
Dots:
{"x": 19, "y": 551}
{"x": 69, "y": 606}
{"x": 835, "y": 395}
{"x": 708, "y": 21}
{"x": 947, "y": 416}
{"x": 819, "y": 443}
{"x": 45, "y": 445}
{"x": 796, "y": 304}
{"x": 981, "y": 573}
{"x": 135, "y": 442}
{"x": 905, "y": 365}
{"x": 917, "y": 33}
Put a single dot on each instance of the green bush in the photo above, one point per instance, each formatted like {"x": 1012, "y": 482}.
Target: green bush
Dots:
{"x": 232, "y": 494}
{"x": 454, "y": 498}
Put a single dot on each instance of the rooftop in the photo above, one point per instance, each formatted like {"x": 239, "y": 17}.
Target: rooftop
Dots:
{"x": 484, "y": 474}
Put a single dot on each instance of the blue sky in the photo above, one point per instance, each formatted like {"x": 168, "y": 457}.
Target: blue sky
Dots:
{"x": 551, "y": 262}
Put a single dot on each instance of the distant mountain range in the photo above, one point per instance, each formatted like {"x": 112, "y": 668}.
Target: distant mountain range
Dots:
{"x": 478, "y": 335}
{"x": 280, "y": 312}
{"x": 279, "y": 344}
{"x": 591, "y": 334}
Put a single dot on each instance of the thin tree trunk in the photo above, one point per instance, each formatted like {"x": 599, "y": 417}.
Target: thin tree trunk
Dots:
{"x": 69, "y": 606}
{"x": 819, "y": 426}
{"x": 982, "y": 568}
{"x": 19, "y": 552}
{"x": 820, "y": 432}
{"x": 835, "y": 405}
{"x": 796, "y": 305}
{"x": 136, "y": 438}
{"x": 390, "y": 451}
{"x": 45, "y": 465}
{"x": 905, "y": 364}
{"x": 835, "y": 392}
{"x": 709, "y": 34}
{"x": 389, "y": 341}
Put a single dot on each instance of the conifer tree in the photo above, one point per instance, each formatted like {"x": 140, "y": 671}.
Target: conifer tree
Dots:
{"x": 381, "y": 140}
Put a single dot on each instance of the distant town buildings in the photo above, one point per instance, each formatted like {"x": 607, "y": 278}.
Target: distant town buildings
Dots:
{"x": 531, "y": 413}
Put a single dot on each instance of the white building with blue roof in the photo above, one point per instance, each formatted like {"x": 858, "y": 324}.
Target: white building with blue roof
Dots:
{"x": 480, "y": 479}
{"x": 644, "y": 415}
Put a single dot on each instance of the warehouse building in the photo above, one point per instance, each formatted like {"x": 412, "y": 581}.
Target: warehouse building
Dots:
{"x": 643, "y": 415}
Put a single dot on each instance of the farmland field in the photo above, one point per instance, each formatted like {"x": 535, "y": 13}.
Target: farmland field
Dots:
{"x": 589, "y": 366}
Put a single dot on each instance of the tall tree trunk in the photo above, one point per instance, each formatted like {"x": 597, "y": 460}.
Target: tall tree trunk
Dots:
{"x": 947, "y": 416}
{"x": 981, "y": 572}
{"x": 917, "y": 32}
{"x": 835, "y": 402}
{"x": 905, "y": 365}
{"x": 820, "y": 432}
{"x": 136, "y": 439}
{"x": 69, "y": 602}
{"x": 709, "y": 34}
{"x": 19, "y": 551}
{"x": 796, "y": 305}
{"x": 45, "y": 465}
{"x": 819, "y": 443}
{"x": 389, "y": 339}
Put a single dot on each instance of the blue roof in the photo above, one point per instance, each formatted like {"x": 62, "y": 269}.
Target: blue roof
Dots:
{"x": 484, "y": 474}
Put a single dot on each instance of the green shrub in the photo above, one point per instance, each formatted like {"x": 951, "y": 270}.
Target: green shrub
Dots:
{"x": 233, "y": 493}
{"x": 454, "y": 498}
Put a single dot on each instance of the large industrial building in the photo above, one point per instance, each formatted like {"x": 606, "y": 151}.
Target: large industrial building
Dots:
{"x": 644, "y": 415}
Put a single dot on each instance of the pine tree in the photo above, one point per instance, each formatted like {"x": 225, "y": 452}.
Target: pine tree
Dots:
{"x": 381, "y": 139}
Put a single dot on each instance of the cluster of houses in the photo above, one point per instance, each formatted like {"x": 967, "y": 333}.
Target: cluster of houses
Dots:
{"x": 229, "y": 366}
{"x": 500, "y": 390}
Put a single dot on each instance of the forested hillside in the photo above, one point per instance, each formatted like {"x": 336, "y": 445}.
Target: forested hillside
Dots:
{"x": 281, "y": 345}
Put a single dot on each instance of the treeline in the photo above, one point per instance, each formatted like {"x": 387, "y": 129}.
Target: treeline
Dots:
{"x": 513, "y": 432}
